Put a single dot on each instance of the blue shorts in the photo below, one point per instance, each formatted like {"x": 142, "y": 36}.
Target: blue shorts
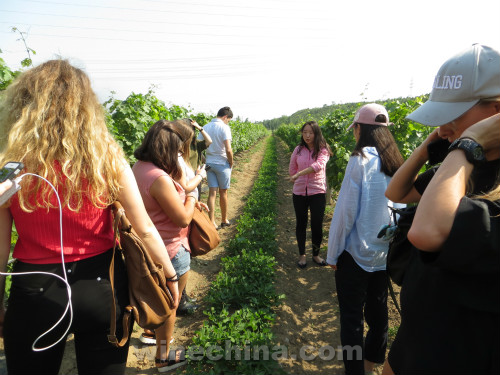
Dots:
{"x": 181, "y": 261}
{"x": 219, "y": 176}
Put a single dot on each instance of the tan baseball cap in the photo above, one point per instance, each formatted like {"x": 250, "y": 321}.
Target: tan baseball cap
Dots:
{"x": 462, "y": 81}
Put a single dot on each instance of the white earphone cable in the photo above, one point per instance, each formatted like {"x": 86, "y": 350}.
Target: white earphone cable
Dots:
{"x": 69, "y": 306}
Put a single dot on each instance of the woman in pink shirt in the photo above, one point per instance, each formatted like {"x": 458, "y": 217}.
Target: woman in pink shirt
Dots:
{"x": 171, "y": 210}
{"x": 308, "y": 173}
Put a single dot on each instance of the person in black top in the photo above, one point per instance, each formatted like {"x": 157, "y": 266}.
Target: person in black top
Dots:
{"x": 450, "y": 322}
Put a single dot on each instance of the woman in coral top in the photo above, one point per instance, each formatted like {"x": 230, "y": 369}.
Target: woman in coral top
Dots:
{"x": 51, "y": 120}
{"x": 308, "y": 174}
{"x": 157, "y": 173}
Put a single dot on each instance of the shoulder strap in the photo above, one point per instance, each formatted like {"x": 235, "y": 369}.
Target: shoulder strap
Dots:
{"x": 118, "y": 223}
{"x": 393, "y": 295}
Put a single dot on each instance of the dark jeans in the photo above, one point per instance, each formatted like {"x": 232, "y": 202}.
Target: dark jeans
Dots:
{"x": 37, "y": 302}
{"x": 316, "y": 204}
{"x": 359, "y": 290}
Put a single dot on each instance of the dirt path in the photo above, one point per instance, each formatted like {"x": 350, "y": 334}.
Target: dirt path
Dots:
{"x": 309, "y": 315}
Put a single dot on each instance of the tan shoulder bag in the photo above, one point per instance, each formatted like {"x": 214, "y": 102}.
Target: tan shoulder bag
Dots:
{"x": 150, "y": 299}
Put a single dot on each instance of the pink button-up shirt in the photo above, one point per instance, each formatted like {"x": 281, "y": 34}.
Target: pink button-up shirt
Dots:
{"x": 312, "y": 183}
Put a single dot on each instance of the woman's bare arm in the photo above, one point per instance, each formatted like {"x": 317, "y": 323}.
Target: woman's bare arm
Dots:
{"x": 131, "y": 200}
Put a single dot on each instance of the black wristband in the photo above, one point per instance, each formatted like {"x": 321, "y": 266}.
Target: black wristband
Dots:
{"x": 174, "y": 278}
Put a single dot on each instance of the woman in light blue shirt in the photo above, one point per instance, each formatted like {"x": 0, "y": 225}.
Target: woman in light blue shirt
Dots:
{"x": 354, "y": 251}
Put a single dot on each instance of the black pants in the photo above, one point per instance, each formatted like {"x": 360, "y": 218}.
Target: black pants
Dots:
{"x": 316, "y": 204}
{"x": 37, "y": 302}
{"x": 359, "y": 290}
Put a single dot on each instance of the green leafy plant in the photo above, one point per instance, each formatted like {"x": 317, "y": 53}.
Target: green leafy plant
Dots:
{"x": 130, "y": 119}
{"x": 22, "y": 36}
{"x": 243, "y": 296}
{"x": 7, "y": 75}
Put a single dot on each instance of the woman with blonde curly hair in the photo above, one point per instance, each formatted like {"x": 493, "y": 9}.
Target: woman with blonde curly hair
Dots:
{"x": 52, "y": 122}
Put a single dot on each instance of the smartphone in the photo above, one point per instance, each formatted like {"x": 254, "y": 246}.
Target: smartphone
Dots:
{"x": 437, "y": 151}
{"x": 10, "y": 170}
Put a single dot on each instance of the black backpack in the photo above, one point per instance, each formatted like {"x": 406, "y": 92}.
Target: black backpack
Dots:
{"x": 398, "y": 256}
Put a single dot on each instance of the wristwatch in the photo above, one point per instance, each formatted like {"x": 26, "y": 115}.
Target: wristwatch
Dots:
{"x": 474, "y": 152}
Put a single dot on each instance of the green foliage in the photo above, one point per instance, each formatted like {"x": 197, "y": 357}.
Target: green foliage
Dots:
{"x": 246, "y": 281}
{"x": 243, "y": 296}
{"x": 245, "y": 134}
{"x": 201, "y": 118}
{"x": 7, "y": 75}
{"x": 306, "y": 114}
{"x": 8, "y": 280}
{"x": 27, "y": 62}
{"x": 230, "y": 344}
{"x": 290, "y": 134}
{"x": 131, "y": 118}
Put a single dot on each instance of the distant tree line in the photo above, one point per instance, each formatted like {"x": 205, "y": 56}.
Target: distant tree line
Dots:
{"x": 318, "y": 113}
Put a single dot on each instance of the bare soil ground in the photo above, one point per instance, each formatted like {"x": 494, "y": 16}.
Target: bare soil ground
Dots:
{"x": 309, "y": 315}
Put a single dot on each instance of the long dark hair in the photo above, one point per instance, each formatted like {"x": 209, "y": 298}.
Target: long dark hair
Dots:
{"x": 380, "y": 137}
{"x": 319, "y": 140}
{"x": 161, "y": 146}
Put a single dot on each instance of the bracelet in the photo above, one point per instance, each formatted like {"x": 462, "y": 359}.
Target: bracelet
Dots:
{"x": 174, "y": 278}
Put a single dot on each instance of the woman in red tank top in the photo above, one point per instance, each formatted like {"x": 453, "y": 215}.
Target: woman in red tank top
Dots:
{"x": 52, "y": 122}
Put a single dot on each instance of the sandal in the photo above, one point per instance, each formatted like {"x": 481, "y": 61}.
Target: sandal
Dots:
{"x": 179, "y": 359}
{"x": 148, "y": 337}
{"x": 301, "y": 265}
{"x": 321, "y": 264}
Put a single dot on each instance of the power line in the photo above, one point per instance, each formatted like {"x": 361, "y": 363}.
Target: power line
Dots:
{"x": 181, "y": 68}
{"x": 175, "y": 11}
{"x": 231, "y": 5}
{"x": 93, "y": 18}
{"x": 167, "y": 32}
{"x": 170, "y": 60}
{"x": 174, "y": 77}
{"x": 139, "y": 40}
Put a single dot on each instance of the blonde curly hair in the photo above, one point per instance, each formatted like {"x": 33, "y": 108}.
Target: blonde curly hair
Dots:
{"x": 52, "y": 121}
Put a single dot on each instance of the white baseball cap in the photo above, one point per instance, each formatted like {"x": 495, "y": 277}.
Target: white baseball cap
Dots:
{"x": 462, "y": 81}
{"x": 368, "y": 113}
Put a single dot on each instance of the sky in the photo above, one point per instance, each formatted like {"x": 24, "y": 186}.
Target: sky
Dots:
{"x": 263, "y": 58}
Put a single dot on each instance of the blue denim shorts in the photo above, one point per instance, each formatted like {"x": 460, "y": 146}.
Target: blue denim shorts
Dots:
{"x": 182, "y": 261}
{"x": 219, "y": 176}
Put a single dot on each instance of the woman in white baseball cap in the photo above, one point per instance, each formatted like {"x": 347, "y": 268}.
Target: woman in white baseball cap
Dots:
{"x": 450, "y": 306}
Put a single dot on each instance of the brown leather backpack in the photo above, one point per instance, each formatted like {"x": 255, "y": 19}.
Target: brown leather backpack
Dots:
{"x": 150, "y": 299}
